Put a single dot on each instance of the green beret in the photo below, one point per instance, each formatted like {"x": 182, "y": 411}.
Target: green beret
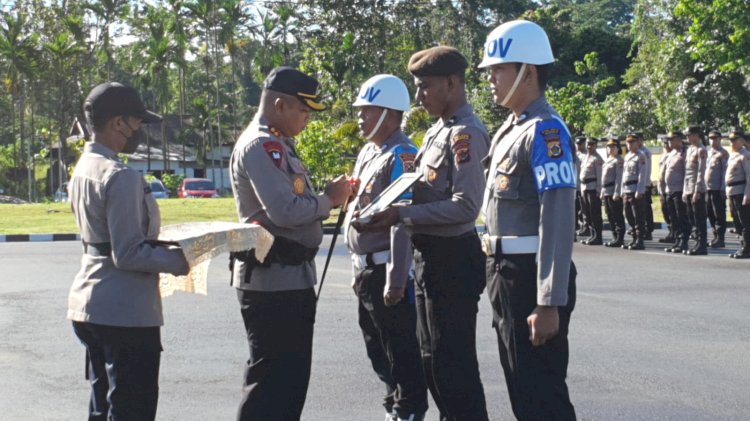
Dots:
{"x": 438, "y": 61}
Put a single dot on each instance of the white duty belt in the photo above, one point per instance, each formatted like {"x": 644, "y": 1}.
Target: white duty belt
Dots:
{"x": 378, "y": 258}
{"x": 510, "y": 244}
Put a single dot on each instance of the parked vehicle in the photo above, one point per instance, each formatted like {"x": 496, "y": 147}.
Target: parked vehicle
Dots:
{"x": 197, "y": 187}
{"x": 158, "y": 189}
{"x": 61, "y": 194}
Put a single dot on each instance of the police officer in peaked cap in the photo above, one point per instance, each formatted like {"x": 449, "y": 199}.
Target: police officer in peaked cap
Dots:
{"x": 272, "y": 187}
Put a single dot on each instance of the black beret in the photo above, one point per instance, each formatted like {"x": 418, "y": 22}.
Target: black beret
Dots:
{"x": 290, "y": 81}
{"x": 694, "y": 130}
{"x": 438, "y": 61}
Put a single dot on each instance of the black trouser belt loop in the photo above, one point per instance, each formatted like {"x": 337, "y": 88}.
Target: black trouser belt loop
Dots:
{"x": 736, "y": 183}
{"x": 97, "y": 249}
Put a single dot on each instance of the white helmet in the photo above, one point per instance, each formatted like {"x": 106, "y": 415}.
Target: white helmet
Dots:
{"x": 385, "y": 91}
{"x": 517, "y": 41}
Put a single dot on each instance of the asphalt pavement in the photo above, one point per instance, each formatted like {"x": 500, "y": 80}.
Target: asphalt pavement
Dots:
{"x": 654, "y": 336}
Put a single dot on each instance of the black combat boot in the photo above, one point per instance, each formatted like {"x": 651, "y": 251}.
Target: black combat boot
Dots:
{"x": 638, "y": 244}
{"x": 596, "y": 239}
{"x": 679, "y": 246}
{"x": 616, "y": 241}
{"x": 669, "y": 239}
{"x": 627, "y": 246}
{"x": 700, "y": 249}
{"x": 718, "y": 242}
{"x": 743, "y": 252}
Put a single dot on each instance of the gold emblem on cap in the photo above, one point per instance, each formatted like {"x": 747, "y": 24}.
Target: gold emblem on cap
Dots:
{"x": 299, "y": 185}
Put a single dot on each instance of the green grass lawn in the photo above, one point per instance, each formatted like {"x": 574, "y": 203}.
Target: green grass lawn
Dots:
{"x": 57, "y": 218}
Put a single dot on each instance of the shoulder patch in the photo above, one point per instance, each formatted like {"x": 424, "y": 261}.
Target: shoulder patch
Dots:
{"x": 461, "y": 145}
{"x": 407, "y": 161}
{"x": 275, "y": 151}
{"x": 552, "y": 156}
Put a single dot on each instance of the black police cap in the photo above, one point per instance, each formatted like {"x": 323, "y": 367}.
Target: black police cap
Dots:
{"x": 674, "y": 134}
{"x": 714, "y": 133}
{"x": 694, "y": 130}
{"x": 737, "y": 134}
{"x": 580, "y": 140}
{"x": 592, "y": 141}
{"x": 290, "y": 81}
{"x": 113, "y": 99}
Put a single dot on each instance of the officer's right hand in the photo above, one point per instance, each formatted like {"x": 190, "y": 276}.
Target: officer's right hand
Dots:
{"x": 392, "y": 296}
{"x": 338, "y": 190}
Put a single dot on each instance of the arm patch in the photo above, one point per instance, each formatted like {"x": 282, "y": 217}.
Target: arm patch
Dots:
{"x": 275, "y": 151}
{"x": 552, "y": 156}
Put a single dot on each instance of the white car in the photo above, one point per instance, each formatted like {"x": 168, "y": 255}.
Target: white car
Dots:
{"x": 158, "y": 189}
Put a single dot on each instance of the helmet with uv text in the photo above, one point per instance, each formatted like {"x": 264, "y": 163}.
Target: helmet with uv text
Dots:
{"x": 517, "y": 41}
{"x": 385, "y": 91}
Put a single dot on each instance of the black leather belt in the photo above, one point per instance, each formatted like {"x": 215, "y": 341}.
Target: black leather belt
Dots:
{"x": 97, "y": 249}
{"x": 589, "y": 180}
{"x": 609, "y": 184}
{"x": 284, "y": 251}
{"x": 631, "y": 182}
{"x": 736, "y": 183}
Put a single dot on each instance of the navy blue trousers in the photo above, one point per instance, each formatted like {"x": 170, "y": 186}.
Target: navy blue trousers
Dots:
{"x": 122, "y": 364}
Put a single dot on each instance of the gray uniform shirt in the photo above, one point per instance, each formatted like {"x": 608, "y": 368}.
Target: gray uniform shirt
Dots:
{"x": 591, "y": 172}
{"x": 647, "y": 153}
{"x": 674, "y": 171}
{"x": 612, "y": 176}
{"x": 271, "y": 187}
{"x": 738, "y": 174}
{"x": 530, "y": 190}
{"x": 401, "y": 153}
{"x": 716, "y": 168}
{"x": 447, "y": 201}
{"x": 112, "y": 203}
{"x": 695, "y": 170}
{"x": 635, "y": 177}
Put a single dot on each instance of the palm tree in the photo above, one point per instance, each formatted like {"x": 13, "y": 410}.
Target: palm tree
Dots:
{"x": 108, "y": 12}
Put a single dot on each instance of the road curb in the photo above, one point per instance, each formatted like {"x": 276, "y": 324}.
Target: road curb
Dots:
{"x": 18, "y": 238}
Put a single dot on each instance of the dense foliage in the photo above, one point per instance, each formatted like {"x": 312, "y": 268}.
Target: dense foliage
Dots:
{"x": 650, "y": 65}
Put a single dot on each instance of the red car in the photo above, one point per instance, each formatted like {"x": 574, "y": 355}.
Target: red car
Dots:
{"x": 197, "y": 187}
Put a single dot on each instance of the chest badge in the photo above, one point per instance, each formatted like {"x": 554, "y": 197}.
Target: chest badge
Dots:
{"x": 299, "y": 185}
{"x": 431, "y": 175}
{"x": 502, "y": 182}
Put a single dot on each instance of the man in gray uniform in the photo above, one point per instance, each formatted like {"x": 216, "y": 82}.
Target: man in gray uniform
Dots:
{"x": 448, "y": 256}
{"x": 611, "y": 192}
{"x": 674, "y": 181}
{"x": 694, "y": 191}
{"x": 529, "y": 213}
{"x": 738, "y": 191}
{"x": 382, "y": 261}
{"x": 582, "y": 225}
{"x": 716, "y": 169}
{"x": 591, "y": 188}
{"x": 114, "y": 301}
{"x": 648, "y": 210}
{"x": 271, "y": 187}
{"x": 661, "y": 188}
{"x": 635, "y": 179}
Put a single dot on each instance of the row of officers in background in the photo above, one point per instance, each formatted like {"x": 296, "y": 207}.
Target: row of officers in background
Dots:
{"x": 697, "y": 176}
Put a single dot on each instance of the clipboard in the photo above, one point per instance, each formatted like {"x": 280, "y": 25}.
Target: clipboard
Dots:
{"x": 388, "y": 196}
